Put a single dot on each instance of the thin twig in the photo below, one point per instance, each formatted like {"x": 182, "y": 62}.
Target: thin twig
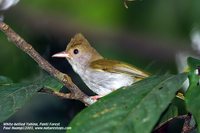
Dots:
{"x": 76, "y": 93}
{"x": 58, "y": 94}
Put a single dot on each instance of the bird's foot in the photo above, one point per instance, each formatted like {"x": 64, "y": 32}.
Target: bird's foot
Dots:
{"x": 96, "y": 97}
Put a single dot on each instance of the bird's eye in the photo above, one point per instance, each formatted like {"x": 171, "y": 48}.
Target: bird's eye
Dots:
{"x": 76, "y": 51}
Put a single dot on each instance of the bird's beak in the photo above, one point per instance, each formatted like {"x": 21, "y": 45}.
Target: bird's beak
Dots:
{"x": 63, "y": 54}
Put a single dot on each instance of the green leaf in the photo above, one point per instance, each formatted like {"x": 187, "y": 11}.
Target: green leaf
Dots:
{"x": 5, "y": 81}
{"x": 176, "y": 108}
{"x": 193, "y": 97}
{"x": 172, "y": 111}
{"x": 193, "y": 63}
{"x": 193, "y": 104}
{"x": 132, "y": 109}
{"x": 14, "y": 96}
{"x": 52, "y": 83}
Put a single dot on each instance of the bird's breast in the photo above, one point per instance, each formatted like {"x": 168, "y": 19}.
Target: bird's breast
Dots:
{"x": 102, "y": 82}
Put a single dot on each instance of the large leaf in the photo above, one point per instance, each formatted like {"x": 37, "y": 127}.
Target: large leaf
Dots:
{"x": 193, "y": 105}
{"x": 171, "y": 112}
{"x": 193, "y": 63}
{"x": 193, "y": 97}
{"x": 5, "y": 81}
{"x": 193, "y": 93}
{"x": 52, "y": 83}
{"x": 133, "y": 109}
{"x": 14, "y": 96}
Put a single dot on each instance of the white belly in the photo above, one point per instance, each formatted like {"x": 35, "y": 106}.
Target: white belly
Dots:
{"x": 103, "y": 83}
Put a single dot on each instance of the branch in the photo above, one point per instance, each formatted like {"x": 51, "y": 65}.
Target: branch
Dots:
{"x": 76, "y": 93}
{"x": 58, "y": 94}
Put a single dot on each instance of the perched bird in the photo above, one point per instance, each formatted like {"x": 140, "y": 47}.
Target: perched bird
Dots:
{"x": 101, "y": 75}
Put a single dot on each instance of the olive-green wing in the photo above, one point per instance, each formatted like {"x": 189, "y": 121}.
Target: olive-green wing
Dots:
{"x": 118, "y": 67}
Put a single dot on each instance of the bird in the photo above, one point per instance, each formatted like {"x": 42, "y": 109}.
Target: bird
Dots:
{"x": 100, "y": 74}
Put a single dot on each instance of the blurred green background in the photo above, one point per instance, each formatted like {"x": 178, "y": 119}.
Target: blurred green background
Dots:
{"x": 148, "y": 35}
